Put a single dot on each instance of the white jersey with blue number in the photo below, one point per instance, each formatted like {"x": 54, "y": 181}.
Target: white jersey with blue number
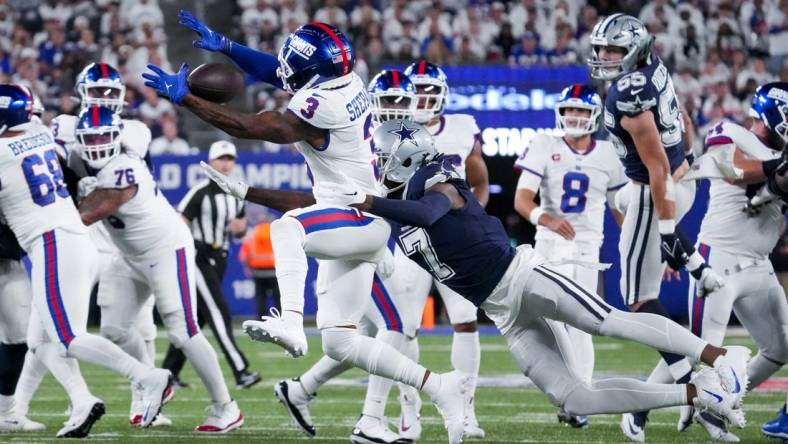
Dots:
{"x": 147, "y": 222}
{"x": 726, "y": 226}
{"x": 454, "y": 136}
{"x": 134, "y": 135}
{"x": 33, "y": 194}
{"x": 572, "y": 185}
{"x": 343, "y": 111}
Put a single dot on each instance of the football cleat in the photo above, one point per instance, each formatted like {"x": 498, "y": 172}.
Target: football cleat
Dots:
{"x": 450, "y": 403}
{"x": 275, "y": 329}
{"x": 633, "y": 425}
{"x": 246, "y": 380}
{"x": 712, "y": 397}
{"x": 732, "y": 369}
{"x": 778, "y": 427}
{"x": 296, "y": 401}
{"x": 222, "y": 419}
{"x": 472, "y": 429}
{"x": 715, "y": 427}
{"x": 13, "y": 422}
{"x": 155, "y": 391}
{"x": 371, "y": 430}
{"x": 577, "y": 422}
{"x": 82, "y": 419}
{"x": 410, "y": 415}
{"x": 686, "y": 412}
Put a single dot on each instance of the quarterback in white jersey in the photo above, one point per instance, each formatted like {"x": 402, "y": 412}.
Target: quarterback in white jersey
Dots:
{"x": 156, "y": 256}
{"x": 574, "y": 175}
{"x": 329, "y": 120}
{"x": 738, "y": 243}
{"x": 38, "y": 208}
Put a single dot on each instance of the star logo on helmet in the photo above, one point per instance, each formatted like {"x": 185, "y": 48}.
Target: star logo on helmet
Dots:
{"x": 404, "y": 133}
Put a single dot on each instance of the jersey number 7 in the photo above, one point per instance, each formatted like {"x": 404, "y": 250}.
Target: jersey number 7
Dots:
{"x": 44, "y": 178}
{"x": 416, "y": 240}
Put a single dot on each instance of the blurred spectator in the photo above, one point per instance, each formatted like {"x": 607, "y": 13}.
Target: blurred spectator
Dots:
{"x": 528, "y": 53}
{"x": 524, "y": 12}
{"x": 563, "y": 53}
{"x": 331, "y": 13}
{"x": 144, "y": 11}
{"x": 756, "y": 71}
{"x": 153, "y": 108}
{"x": 255, "y": 18}
{"x": 292, "y": 10}
{"x": 505, "y": 42}
{"x": 169, "y": 142}
{"x": 721, "y": 97}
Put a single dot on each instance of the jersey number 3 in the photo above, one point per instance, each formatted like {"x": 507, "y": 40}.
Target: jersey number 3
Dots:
{"x": 44, "y": 178}
{"x": 415, "y": 241}
{"x": 575, "y": 188}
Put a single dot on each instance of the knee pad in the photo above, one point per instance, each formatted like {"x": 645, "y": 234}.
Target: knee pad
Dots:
{"x": 573, "y": 400}
{"x": 287, "y": 229}
{"x": 113, "y": 333}
{"x": 339, "y": 343}
{"x": 176, "y": 328}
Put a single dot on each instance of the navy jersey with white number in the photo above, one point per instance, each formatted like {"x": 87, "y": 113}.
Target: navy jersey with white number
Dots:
{"x": 647, "y": 89}
{"x": 466, "y": 249}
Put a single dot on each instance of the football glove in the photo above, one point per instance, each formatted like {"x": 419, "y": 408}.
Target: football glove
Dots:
{"x": 673, "y": 251}
{"x": 209, "y": 40}
{"x": 708, "y": 279}
{"x": 172, "y": 86}
{"x": 230, "y": 186}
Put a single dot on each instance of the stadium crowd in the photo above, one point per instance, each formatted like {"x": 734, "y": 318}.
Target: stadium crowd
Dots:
{"x": 718, "y": 50}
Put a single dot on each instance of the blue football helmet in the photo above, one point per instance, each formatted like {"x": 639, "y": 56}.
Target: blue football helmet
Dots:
{"x": 582, "y": 97}
{"x": 16, "y": 106}
{"x": 432, "y": 90}
{"x": 313, "y": 54}
{"x": 98, "y": 135}
{"x": 770, "y": 105}
{"x": 393, "y": 96}
{"x": 99, "y": 84}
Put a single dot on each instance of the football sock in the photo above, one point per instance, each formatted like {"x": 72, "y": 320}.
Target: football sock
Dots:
{"x": 583, "y": 349}
{"x": 679, "y": 368}
{"x": 760, "y": 368}
{"x": 132, "y": 343}
{"x": 287, "y": 241}
{"x": 150, "y": 359}
{"x": 378, "y": 387}
{"x": 411, "y": 350}
{"x": 6, "y": 404}
{"x": 203, "y": 358}
{"x": 33, "y": 372}
{"x": 323, "y": 370}
{"x": 466, "y": 353}
{"x": 65, "y": 370}
{"x": 615, "y": 395}
{"x": 12, "y": 358}
{"x": 102, "y": 352}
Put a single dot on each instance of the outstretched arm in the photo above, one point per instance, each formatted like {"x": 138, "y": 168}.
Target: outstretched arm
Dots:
{"x": 103, "y": 202}
{"x": 436, "y": 202}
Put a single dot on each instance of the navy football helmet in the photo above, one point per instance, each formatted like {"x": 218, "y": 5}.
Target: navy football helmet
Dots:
{"x": 432, "y": 90}
{"x": 98, "y": 135}
{"x": 582, "y": 97}
{"x": 770, "y": 105}
{"x": 16, "y": 106}
{"x": 313, "y": 54}
{"x": 393, "y": 96}
{"x": 99, "y": 84}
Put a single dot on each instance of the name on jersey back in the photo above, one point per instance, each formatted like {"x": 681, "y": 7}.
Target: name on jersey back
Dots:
{"x": 30, "y": 143}
{"x": 357, "y": 106}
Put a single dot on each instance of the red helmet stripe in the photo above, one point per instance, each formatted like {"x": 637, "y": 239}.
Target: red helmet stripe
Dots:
{"x": 104, "y": 70}
{"x": 338, "y": 42}
{"x": 576, "y": 91}
{"x": 95, "y": 115}
{"x": 395, "y": 78}
{"x": 422, "y": 67}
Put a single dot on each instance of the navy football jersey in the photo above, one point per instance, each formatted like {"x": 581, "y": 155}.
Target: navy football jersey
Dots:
{"x": 648, "y": 88}
{"x": 466, "y": 249}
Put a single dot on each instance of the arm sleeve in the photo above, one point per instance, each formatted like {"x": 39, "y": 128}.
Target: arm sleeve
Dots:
{"x": 418, "y": 213}
{"x": 260, "y": 66}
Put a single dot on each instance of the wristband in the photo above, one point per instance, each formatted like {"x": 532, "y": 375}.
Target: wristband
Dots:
{"x": 536, "y": 213}
{"x": 698, "y": 272}
{"x": 666, "y": 226}
{"x": 695, "y": 262}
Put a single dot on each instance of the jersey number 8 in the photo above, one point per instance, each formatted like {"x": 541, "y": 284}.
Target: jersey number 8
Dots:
{"x": 575, "y": 188}
{"x": 44, "y": 178}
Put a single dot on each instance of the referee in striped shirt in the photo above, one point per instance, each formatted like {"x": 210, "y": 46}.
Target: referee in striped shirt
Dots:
{"x": 214, "y": 216}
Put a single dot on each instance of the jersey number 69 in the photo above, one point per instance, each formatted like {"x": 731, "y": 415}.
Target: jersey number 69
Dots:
{"x": 44, "y": 178}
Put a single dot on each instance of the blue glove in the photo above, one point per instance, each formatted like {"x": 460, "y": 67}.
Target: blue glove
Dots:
{"x": 171, "y": 86}
{"x": 209, "y": 39}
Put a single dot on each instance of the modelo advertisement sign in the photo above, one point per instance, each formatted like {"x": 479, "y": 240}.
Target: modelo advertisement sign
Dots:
{"x": 510, "y": 106}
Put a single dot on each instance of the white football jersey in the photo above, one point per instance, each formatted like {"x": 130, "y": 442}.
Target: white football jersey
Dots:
{"x": 344, "y": 112}
{"x": 725, "y": 225}
{"x": 33, "y": 195}
{"x": 147, "y": 222}
{"x": 135, "y": 135}
{"x": 455, "y": 135}
{"x": 572, "y": 185}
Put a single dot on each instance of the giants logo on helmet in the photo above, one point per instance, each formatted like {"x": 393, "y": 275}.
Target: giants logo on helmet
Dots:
{"x": 777, "y": 93}
{"x": 301, "y": 47}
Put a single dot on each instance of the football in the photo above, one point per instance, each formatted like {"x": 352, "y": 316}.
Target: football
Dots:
{"x": 215, "y": 82}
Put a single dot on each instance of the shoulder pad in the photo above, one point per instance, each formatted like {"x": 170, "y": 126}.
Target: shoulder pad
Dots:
{"x": 317, "y": 107}
{"x": 634, "y": 93}
{"x": 135, "y": 136}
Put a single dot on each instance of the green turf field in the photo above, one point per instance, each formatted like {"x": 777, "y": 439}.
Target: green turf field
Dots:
{"x": 508, "y": 414}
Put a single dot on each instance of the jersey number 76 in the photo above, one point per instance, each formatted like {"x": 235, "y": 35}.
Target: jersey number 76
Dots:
{"x": 44, "y": 178}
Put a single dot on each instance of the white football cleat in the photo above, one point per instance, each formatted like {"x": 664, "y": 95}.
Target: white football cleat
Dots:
{"x": 371, "y": 430}
{"x": 82, "y": 419}
{"x": 450, "y": 402}
{"x": 296, "y": 401}
{"x": 472, "y": 429}
{"x": 715, "y": 426}
{"x": 732, "y": 369}
{"x": 155, "y": 391}
{"x": 161, "y": 421}
{"x": 686, "y": 412}
{"x": 711, "y": 396}
{"x": 136, "y": 409}
{"x": 13, "y": 422}
{"x": 222, "y": 419}
{"x": 410, "y": 416}
{"x": 275, "y": 329}
{"x": 634, "y": 427}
